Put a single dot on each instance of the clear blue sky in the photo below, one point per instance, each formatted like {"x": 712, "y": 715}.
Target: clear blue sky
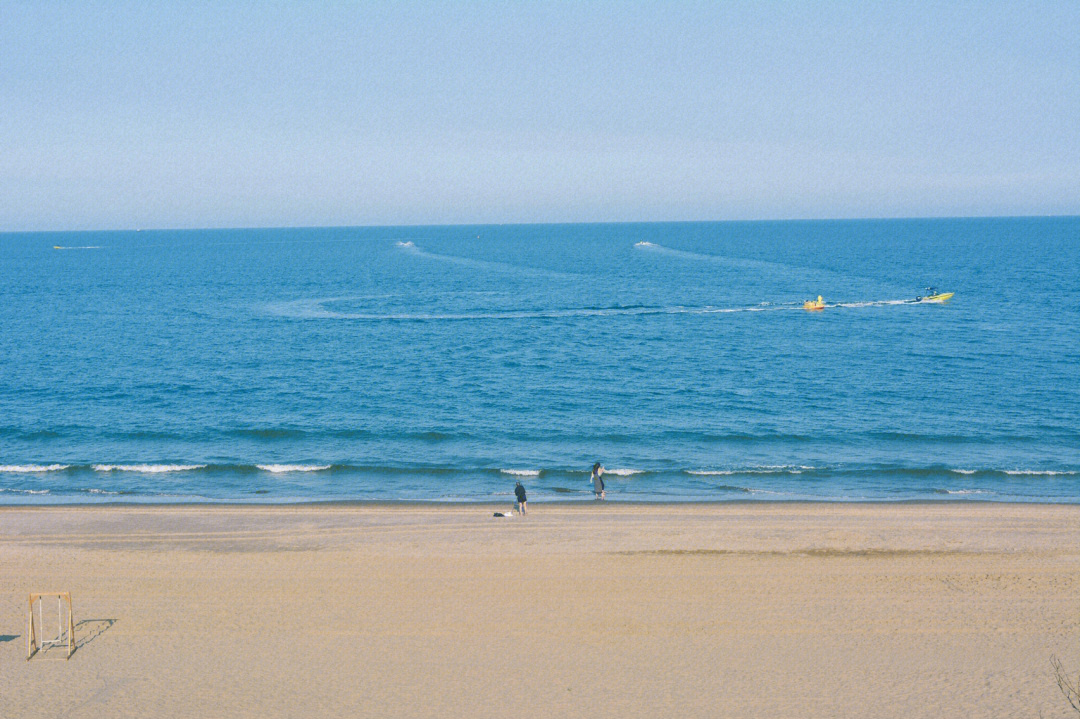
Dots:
{"x": 117, "y": 115}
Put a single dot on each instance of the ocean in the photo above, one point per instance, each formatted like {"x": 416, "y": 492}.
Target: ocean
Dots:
{"x": 446, "y": 363}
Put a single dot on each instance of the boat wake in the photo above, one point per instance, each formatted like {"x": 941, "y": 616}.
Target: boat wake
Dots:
{"x": 820, "y": 274}
{"x": 489, "y": 265}
{"x": 317, "y": 308}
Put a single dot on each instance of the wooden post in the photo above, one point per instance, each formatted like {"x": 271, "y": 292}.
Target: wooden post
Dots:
{"x": 71, "y": 627}
{"x": 31, "y": 637}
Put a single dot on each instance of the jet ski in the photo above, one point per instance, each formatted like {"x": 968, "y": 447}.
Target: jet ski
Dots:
{"x": 818, "y": 304}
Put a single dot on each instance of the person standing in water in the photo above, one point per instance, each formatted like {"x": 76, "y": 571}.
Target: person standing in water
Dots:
{"x": 598, "y": 480}
{"x": 519, "y": 492}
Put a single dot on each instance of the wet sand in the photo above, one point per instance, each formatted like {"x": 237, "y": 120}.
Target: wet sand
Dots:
{"x": 741, "y": 610}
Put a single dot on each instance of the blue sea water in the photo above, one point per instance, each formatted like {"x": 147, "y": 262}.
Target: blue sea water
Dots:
{"x": 444, "y": 363}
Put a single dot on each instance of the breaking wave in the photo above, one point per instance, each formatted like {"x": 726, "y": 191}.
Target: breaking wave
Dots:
{"x": 809, "y": 470}
{"x": 762, "y": 469}
{"x": 283, "y": 468}
{"x": 147, "y": 468}
{"x": 32, "y": 468}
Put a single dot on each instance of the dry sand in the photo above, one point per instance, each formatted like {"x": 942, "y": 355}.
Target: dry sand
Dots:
{"x": 741, "y": 610}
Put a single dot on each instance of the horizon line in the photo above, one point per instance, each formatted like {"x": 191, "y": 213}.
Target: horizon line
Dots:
{"x": 538, "y": 224}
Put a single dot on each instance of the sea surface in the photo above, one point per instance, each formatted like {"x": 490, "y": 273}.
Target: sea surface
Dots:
{"x": 445, "y": 363}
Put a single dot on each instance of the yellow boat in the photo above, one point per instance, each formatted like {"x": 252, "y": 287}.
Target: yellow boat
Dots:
{"x": 934, "y": 296}
{"x": 818, "y": 304}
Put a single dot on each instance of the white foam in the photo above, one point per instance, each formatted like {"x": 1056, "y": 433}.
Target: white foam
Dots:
{"x": 315, "y": 309}
{"x": 623, "y": 472}
{"x": 147, "y": 468}
{"x": 87, "y": 247}
{"x": 964, "y": 471}
{"x": 27, "y": 468}
{"x": 644, "y": 244}
{"x": 965, "y": 491}
{"x": 26, "y": 491}
{"x": 1036, "y": 472}
{"x": 871, "y": 303}
{"x": 483, "y": 264}
{"x": 281, "y": 468}
{"x": 522, "y": 472}
{"x": 762, "y": 469}
{"x": 101, "y": 491}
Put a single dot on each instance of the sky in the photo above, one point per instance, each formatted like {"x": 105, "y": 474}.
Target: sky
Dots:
{"x": 277, "y": 114}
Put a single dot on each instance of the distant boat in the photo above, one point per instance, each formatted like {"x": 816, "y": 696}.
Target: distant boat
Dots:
{"x": 818, "y": 304}
{"x": 932, "y": 295}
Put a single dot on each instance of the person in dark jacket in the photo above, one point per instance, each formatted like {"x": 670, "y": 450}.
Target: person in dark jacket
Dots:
{"x": 522, "y": 503}
{"x": 598, "y": 480}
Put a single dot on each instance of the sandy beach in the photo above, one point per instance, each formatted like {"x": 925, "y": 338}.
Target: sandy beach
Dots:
{"x": 741, "y": 610}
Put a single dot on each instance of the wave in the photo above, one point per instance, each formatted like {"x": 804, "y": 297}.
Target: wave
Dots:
{"x": 25, "y": 491}
{"x": 286, "y": 432}
{"x": 809, "y": 472}
{"x": 947, "y": 438}
{"x": 277, "y": 433}
{"x": 147, "y": 468}
{"x": 937, "y": 470}
{"x": 266, "y": 433}
{"x": 761, "y": 469}
{"x": 1016, "y": 472}
{"x": 84, "y": 247}
{"x": 282, "y": 468}
{"x": 32, "y": 468}
{"x": 963, "y": 491}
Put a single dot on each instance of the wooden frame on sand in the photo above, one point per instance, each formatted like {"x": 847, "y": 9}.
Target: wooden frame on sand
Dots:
{"x": 32, "y": 642}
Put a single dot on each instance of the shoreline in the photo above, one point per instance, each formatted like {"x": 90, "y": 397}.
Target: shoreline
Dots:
{"x": 543, "y": 503}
